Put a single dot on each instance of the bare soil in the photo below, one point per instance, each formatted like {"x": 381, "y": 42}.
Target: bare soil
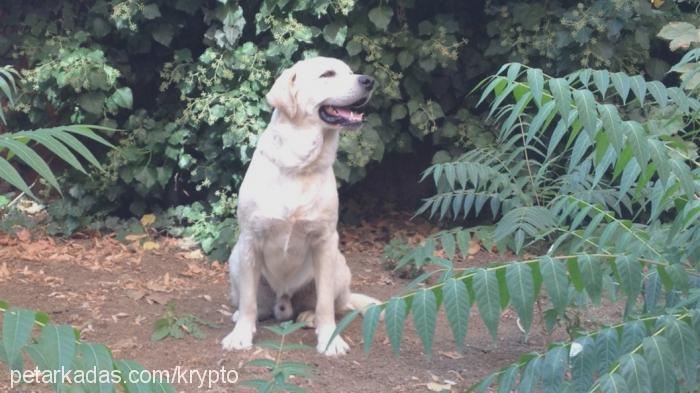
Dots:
{"x": 114, "y": 292}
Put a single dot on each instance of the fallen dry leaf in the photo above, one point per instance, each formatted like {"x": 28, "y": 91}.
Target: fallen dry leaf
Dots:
{"x": 451, "y": 354}
{"x": 134, "y": 237}
{"x": 150, "y": 245}
{"x": 23, "y": 235}
{"x": 194, "y": 254}
{"x": 124, "y": 343}
{"x": 116, "y": 316}
{"x": 438, "y": 387}
{"x": 159, "y": 298}
{"x": 4, "y": 271}
{"x": 192, "y": 270}
{"x": 474, "y": 247}
{"x": 148, "y": 219}
{"x": 135, "y": 294}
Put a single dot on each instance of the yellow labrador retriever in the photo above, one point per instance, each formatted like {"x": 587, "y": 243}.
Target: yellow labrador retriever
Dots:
{"x": 287, "y": 257}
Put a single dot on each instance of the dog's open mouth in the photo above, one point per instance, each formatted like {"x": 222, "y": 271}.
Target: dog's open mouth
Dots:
{"x": 347, "y": 116}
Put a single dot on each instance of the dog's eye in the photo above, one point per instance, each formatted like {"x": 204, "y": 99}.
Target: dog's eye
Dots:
{"x": 328, "y": 74}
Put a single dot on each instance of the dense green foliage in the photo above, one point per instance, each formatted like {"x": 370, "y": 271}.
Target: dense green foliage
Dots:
{"x": 602, "y": 169}
{"x": 185, "y": 80}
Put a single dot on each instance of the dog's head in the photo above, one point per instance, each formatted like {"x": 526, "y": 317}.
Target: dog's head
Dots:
{"x": 321, "y": 89}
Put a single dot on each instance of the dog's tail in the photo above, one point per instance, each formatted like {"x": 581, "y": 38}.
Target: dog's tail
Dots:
{"x": 358, "y": 301}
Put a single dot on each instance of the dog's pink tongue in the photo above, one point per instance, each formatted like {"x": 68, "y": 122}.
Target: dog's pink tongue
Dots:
{"x": 348, "y": 114}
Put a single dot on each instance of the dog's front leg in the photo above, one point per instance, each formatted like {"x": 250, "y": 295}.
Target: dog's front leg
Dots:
{"x": 325, "y": 252}
{"x": 247, "y": 280}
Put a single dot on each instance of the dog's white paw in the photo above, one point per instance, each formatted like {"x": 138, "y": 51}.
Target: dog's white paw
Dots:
{"x": 240, "y": 338}
{"x": 308, "y": 318}
{"x": 236, "y": 316}
{"x": 337, "y": 346}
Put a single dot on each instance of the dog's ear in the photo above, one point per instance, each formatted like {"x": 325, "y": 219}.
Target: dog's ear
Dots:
{"x": 283, "y": 94}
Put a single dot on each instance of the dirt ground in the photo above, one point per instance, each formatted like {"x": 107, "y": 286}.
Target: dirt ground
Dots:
{"x": 114, "y": 292}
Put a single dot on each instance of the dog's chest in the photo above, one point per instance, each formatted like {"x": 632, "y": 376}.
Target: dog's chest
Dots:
{"x": 286, "y": 248}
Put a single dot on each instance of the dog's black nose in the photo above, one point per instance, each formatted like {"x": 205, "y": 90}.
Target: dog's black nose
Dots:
{"x": 366, "y": 81}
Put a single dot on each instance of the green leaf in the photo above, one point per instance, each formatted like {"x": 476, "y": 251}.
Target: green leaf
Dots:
{"x": 583, "y": 365}
{"x": 398, "y": 112}
{"x": 535, "y": 81}
{"x": 16, "y": 330}
{"x": 684, "y": 346}
{"x": 543, "y": 116}
{"x": 630, "y": 272}
{"x": 575, "y": 274}
{"x": 55, "y": 349}
{"x": 613, "y": 383}
{"x": 463, "y": 238}
{"x": 637, "y": 138}
{"x": 335, "y": 33}
{"x": 150, "y": 11}
{"x": 586, "y": 105}
{"x": 87, "y": 131}
{"x": 562, "y": 95}
{"x": 69, "y": 140}
{"x": 55, "y": 146}
{"x": 658, "y": 91}
{"x": 448, "y": 242}
{"x": 123, "y": 97}
{"x": 659, "y": 357}
{"x": 622, "y": 83}
{"x": 394, "y": 317}
{"x": 369, "y": 325}
{"x": 161, "y": 329}
{"x": 9, "y": 174}
{"x": 507, "y": 379}
{"x": 555, "y": 282}
{"x": 634, "y": 369}
{"x": 32, "y": 159}
{"x": 522, "y": 293}
{"x": 163, "y": 33}
{"x": 601, "y": 78}
{"x": 487, "y": 297}
{"x": 681, "y": 34}
{"x": 639, "y": 87}
{"x": 485, "y": 384}
{"x": 553, "y": 369}
{"x": 424, "y": 310}
{"x": 381, "y": 16}
{"x": 607, "y": 351}
{"x": 129, "y": 368}
{"x": 632, "y": 335}
{"x": 530, "y": 376}
{"x": 95, "y": 357}
{"x": 457, "y": 304}
{"x": 92, "y": 102}
{"x": 405, "y": 59}
{"x": 342, "y": 325}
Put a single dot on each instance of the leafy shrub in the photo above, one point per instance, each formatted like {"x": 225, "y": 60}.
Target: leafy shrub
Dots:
{"x": 281, "y": 371}
{"x": 601, "y": 168}
{"x": 173, "y": 324}
{"x": 186, "y": 80}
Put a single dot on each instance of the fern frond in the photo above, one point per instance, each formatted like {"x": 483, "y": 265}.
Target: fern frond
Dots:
{"x": 61, "y": 141}
{"x": 630, "y": 354}
{"x": 58, "y": 349}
